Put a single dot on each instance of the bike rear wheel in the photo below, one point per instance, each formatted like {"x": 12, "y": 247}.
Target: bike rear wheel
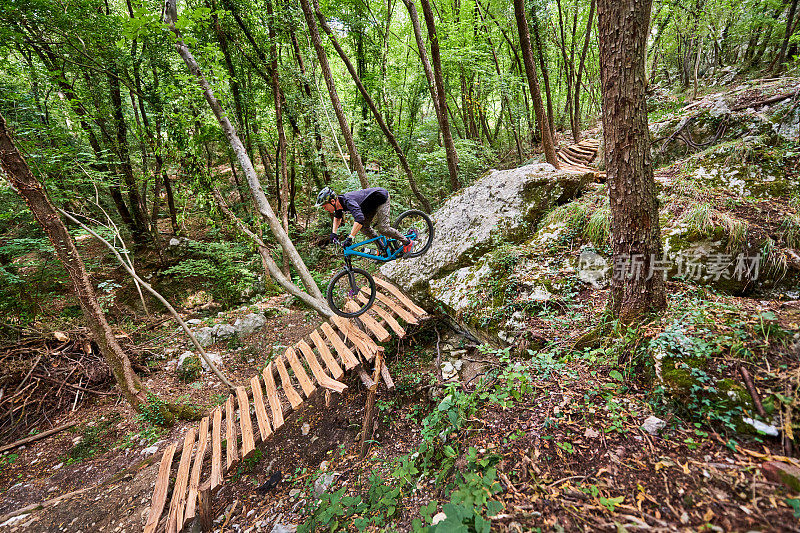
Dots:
{"x": 351, "y": 292}
{"x": 421, "y": 225}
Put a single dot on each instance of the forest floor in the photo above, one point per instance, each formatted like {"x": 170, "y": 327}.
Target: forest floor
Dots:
{"x": 563, "y": 435}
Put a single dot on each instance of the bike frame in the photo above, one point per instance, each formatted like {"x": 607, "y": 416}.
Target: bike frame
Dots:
{"x": 352, "y": 250}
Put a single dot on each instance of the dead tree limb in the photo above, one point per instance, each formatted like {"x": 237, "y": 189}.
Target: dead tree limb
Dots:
{"x": 38, "y": 436}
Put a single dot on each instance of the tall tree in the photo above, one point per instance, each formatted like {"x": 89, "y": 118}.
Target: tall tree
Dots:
{"x": 637, "y": 287}
{"x": 533, "y": 83}
{"x": 18, "y": 173}
{"x": 373, "y": 108}
{"x": 436, "y": 62}
{"x": 313, "y": 297}
{"x": 439, "y": 103}
{"x": 355, "y": 158}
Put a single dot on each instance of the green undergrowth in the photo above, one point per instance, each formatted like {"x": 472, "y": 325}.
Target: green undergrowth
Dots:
{"x": 470, "y": 490}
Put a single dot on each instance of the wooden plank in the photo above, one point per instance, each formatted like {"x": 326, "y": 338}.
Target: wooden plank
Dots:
{"x": 216, "y": 450}
{"x": 300, "y": 372}
{"x": 176, "y": 506}
{"x": 264, "y": 428}
{"x": 372, "y": 325}
{"x": 272, "y": 397}
{"x": 320, "y": 375}
{"x": 334, "y": 368}
{"x": 245, "y": 423}
{"x": 197, "y": 468}
{"x": 231, "y": 447}
{"x": 397, "y": 309}
{"x": 346, "y": 354}
{"x": 286, "y": 383}
{"x": 405, "y": 300}
{"x": 384, "y": 314}
{"x": 160, "y": 490}
{"x": 363, "y": 343}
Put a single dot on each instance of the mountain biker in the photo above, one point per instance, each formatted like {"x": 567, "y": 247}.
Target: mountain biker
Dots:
{"x": 370, "y": 209}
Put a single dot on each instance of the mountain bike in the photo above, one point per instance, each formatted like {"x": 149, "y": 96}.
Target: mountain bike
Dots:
{"x": 352, "y": 290}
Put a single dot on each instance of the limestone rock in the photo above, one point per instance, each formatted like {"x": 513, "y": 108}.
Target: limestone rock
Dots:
{"x": 248, "y": 324}
{"x": 502, "y": 205}
{"x": 653, "y": 425}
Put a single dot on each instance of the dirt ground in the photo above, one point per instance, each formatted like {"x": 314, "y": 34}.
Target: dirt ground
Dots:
{"x": 570, "y": 452}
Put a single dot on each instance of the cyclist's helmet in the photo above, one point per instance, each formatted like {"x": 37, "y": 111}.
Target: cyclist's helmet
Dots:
{"x": 324, "y": 196}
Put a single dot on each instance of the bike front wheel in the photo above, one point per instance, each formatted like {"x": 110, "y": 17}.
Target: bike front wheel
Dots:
{"x": 351, "y": 292}
{"x": 418, "y": 226}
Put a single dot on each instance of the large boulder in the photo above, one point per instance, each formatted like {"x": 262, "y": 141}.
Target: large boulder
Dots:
{"x": 502, "y": 206}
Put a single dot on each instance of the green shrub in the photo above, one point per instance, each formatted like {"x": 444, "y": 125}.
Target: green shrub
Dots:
{"x": 220, "y": 268}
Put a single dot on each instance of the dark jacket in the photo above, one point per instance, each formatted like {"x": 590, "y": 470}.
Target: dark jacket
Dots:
{"x": 363, "y": 203}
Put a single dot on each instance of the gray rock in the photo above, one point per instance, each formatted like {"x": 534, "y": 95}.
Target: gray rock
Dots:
{"x": 501, "y": 205}
{"x": 305, "y": 428}
{"x": 173, "y": 242}
{"x": 324, "y": 482}
{"x": 223, "y": 331}
{"x": 248, "y": 324}
{"x": 448, "y": 370}
{"x": 194, "y": 321}
{"x": 149, "y": 451}
{"x": 653, "y": 425}
{"x": 283, "y": 528}
{"x": 205, "y": 336}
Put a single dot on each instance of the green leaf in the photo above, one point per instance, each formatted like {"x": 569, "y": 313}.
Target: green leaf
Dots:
{"x": 794, "y": 503}
{"x": 615, "y": 374}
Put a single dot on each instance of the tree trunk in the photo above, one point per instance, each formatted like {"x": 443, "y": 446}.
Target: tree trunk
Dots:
{"x": 545, "y": 77}
{"x": 140, "y": 222}
{"x": 247, "y": 166}
{"x": 576, "y": 132}
{"x": 370, "y": 103}
{"x": 635, "y": 235}
{"x": 281, "y": 163}
{"x": 790, "y": 26}
{"x": 19, "y": 175}
{"x": 355, "y": 159}
{"x": 533, "y": 83}
{"x": 447, "y": 136}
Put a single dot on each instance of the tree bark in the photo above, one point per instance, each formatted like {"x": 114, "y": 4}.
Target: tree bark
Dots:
{"x": 447, "y": 136}
{"x": 281, "y": 163}
{"x": 355, "y": 158}
{"x": 260, "y": 198}
{"x": 370, "y": 103}
{"x": 533, "y": 83}
{"x": 576, "y": 132}
{"x": 19, "y": 175}
{"x": 635, "y": 234}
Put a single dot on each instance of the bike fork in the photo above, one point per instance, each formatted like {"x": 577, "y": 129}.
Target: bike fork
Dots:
{"x": 350, "y": 277}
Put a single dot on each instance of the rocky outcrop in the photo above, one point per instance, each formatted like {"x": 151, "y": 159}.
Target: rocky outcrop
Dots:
{"x": 501, "y": 207}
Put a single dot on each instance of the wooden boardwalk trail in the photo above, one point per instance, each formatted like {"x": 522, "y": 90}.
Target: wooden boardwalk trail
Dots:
{"x": 198, "y": 469}
{"x": 578, "y": 157}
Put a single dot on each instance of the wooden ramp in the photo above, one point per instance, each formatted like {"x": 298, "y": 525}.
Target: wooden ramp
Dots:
{"x": 578, "y": 157}
{"x": 197, "y": 466}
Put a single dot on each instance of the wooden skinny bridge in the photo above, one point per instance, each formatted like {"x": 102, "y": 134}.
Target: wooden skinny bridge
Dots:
{"x": 199, "y": 471}
{"x": 577, "y": 157}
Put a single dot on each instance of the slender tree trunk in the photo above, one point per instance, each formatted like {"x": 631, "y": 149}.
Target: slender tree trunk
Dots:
{"x": 355, "y": 158}
{"x": 436, "y": 62}
{"x": 635, "y": 235}
{"x": 576, "y": 132}
{"x": 247, "y": 166}
{"x": 19, "y": 175}
{"x": 140, "y": 236}
{"x": 281, "y": 163}
{"x": 545, "y": 77}
{"x": 533, "y": 83}
{"x": 370, "y": 103}
{"x": 326, "y": 172}
{"x": 790, "y": 26}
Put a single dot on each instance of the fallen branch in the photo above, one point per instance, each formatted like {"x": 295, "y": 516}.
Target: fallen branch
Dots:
{"x": 70, "y": 385}
{"x": 38, "y": 436}
{"x": 748, "y": 382}
{"x": 767, "y": 101}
